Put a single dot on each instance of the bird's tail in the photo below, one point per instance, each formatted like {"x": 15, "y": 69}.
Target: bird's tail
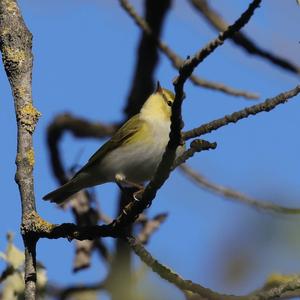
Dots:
{"x": 63, "y": 193}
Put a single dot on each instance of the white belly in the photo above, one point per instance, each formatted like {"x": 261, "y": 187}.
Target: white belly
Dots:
{"x": 136, "y": 162}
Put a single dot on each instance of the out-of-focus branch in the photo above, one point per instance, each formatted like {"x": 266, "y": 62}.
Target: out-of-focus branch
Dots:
{"x": 79, "y": 128}
{"x": 235, "y": 195}
{"x": 16, "y": 46}
{"x": 147, "y": 57}
{"x": 241, "y": 39}
{"x": 150, "y": 226}
{"x": 267, "y": 105}
{"x": 176, "y": 60}
{"x": 9, "y": 270}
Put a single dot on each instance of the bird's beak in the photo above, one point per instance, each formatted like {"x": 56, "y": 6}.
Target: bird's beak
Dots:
{"x": 158, "y": 88}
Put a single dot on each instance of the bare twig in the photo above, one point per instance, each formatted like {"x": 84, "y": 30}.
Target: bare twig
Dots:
{"x": 237, "y": 196}
{"x": 196, "y": 146}
{"x": 150, "y": 226}
{"x": 176, "y": 60}
{"x": 16, "y": 45}
{"x": 242, "y": 39}
{"x": 267, "y": 105}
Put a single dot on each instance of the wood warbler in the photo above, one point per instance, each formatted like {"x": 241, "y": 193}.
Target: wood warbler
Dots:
{"x": 132, "y": 154}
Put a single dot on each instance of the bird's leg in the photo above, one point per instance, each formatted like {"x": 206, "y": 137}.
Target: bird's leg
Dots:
{"x": 123, "y": 182}
{"x": 126, "y": 185}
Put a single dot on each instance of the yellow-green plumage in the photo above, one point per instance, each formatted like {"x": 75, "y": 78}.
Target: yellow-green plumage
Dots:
{"x": 133, "y": 152}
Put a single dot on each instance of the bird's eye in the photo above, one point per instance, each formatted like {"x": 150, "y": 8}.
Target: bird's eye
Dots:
{"x": 169, "y": 103}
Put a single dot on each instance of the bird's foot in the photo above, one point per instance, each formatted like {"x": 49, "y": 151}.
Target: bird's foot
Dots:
{"x": 138, "y": 194}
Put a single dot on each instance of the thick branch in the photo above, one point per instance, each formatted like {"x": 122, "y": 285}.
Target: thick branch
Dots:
{"x": 267, "y": 105}
{"x": 176, "y": 60}
{"x": 242, "y": 39}
{"x": 16, "y": 45}
{"x": 235, "y": 195}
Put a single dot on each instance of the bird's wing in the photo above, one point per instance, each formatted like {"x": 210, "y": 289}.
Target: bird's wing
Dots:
{"x": 121, "y": 137}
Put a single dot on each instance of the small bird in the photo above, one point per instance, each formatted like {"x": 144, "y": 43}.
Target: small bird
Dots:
{"x": 133, "y": 153}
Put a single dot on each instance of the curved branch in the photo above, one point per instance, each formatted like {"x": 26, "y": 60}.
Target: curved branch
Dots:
{"x": 79, "y": 127}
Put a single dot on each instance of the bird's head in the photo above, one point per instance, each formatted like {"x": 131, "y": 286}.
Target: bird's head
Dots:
{"x": 159, "y": 105}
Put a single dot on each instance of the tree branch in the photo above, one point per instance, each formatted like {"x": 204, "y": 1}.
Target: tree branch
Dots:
{"x": 235, "y": 195}
{"x": 176, "y": 60}
{"x": 267, "y": 105}
{"x": 242, "y": 39}
{"x": 16, "y": 45}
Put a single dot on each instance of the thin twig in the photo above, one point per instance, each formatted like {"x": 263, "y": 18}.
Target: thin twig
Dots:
{"x": 16, "y": 45}
{"x": 235, "y": 195}
{"x": 242, "y": 39}
{"x": 176, "y": 60}
{"x": 196, "y": 146}
{"x": 150, "y": 226}
{"x": 266, "y": 106}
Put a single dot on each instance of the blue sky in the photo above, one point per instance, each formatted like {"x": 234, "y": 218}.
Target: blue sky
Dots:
{"x": 84, "y": 54}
